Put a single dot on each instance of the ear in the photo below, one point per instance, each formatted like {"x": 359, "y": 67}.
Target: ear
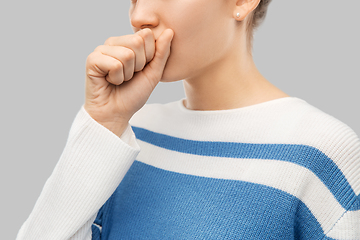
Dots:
{"x": 244, "y": 7}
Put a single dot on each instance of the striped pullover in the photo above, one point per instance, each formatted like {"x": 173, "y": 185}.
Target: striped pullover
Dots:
{"x": 280, "y": 169}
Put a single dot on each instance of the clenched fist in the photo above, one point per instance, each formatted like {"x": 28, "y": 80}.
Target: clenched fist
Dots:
{"x": 121, "y": 75}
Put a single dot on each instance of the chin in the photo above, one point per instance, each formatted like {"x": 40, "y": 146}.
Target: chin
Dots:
{"x": 172, "y": 73}
{"x": 171, "y": 77}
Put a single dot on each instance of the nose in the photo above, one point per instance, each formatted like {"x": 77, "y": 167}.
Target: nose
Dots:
{"x": 142, "y": 15}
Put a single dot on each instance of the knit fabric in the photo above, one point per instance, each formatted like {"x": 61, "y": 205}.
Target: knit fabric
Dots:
{"x": 281, "y": 169}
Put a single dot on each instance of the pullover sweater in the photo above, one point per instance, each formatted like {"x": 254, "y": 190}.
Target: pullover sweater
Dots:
{"x": 280, "y": 169}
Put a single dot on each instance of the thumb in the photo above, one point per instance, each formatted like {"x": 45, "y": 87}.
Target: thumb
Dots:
{"x": 155, "y": 68}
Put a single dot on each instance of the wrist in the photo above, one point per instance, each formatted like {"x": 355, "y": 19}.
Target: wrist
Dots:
{"x": 117, "y": 128}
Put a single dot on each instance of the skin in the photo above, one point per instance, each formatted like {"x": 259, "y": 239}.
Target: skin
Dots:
{"x": 208, "y": 51}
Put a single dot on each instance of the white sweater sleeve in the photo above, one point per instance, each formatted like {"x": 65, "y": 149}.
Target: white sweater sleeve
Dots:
{"x": 91, "y": 166}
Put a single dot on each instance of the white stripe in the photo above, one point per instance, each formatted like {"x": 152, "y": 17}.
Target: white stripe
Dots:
{"x": 98, "y": 226}
{"x": 348, "y": 227}
{"x": 289, "y": 177}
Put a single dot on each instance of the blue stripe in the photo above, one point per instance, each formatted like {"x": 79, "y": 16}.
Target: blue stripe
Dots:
{"x": 309, "y": 157}
{"x": 151, "y": 203}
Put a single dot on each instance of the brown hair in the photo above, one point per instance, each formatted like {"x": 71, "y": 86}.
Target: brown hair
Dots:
{"x": 255, "y": 19}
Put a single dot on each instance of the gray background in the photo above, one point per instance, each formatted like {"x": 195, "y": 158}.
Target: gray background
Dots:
{"x": 309, "y": 49}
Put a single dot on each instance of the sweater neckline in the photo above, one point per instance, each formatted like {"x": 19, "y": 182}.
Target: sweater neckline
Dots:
{"x": 182, "y": 107}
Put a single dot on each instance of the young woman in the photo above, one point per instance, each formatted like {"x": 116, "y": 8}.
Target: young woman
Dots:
{"x": 236, "y": 159}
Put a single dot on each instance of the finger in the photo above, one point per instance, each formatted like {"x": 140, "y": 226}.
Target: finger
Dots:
{"x": 116, "y": 73}
{"x": 123, "y": 54}
{"x": 134, "y": 42}
{"x": 107, "y": 67}
{"x": 149, "y": 40}
{"x": 155, "y": 68}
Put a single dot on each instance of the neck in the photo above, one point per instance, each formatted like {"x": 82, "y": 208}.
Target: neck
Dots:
{"x": 231, "y": 82}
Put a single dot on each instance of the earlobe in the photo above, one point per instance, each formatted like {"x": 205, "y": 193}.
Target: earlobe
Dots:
{"x": 239, "y": 16}
{"x": 245, "y": 7}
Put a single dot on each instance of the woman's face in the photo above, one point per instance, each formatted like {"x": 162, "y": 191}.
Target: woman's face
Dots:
{"x": 203, "y": 31}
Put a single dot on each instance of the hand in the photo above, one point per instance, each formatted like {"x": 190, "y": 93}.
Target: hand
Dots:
{"x": 121, "y": 75}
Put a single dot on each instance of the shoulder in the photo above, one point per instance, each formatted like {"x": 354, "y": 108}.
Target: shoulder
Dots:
{"x": 322, "y": 129}
{"x": 315, "y": 138}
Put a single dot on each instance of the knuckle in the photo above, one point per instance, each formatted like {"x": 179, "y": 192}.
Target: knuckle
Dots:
{"x": 98, "y": 48}
{"x": 129, "y": 55}
{"x": 138, "y": 41}
{"x": 109, "y": 41}
{"x": 117, "y": 65}
{"x": 147, "y": 30}
{"x": 91, "y": 58}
